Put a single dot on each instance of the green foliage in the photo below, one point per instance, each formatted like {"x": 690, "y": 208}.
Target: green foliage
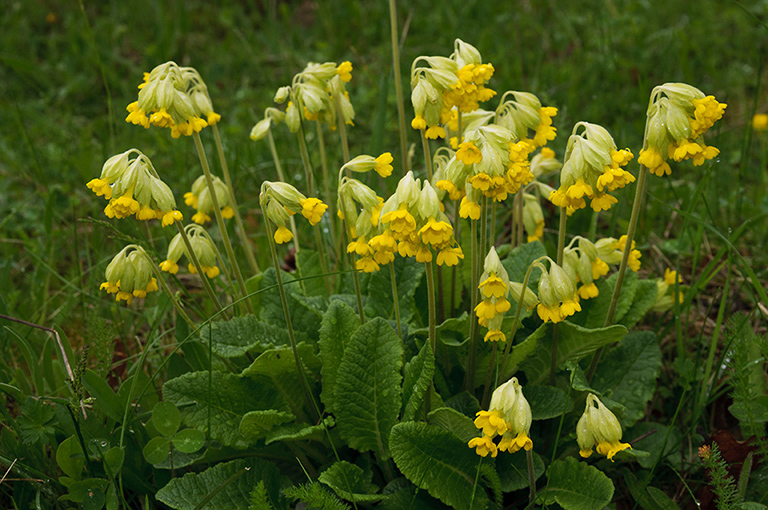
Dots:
{"x": 240, "y": 335}
{"x": 350, "y": 482}
{"x": 315, "y": 496}
{"x": 339, "y": 324}
{"x": 576, "y": 485}
{"x": 418, "y": 377}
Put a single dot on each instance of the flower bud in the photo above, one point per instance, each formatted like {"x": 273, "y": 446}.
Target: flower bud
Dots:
{"x": 282, "y": 94}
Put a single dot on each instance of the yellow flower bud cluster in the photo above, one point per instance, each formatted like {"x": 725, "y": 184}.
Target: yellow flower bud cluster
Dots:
{"x": 509, "y": 416}
{"x": 173, "y": 97}
{"x": 494, "y": 290}
{"x": 413, "y": 218}
{"x": 524, "y": 116}
{"x": 442, "y": 84}
{"x": 677, "y": 118}
{"x": 200, "y": 198}
{"x": 317, "y": 93}
{"x": 203, "y": 247}
{"x": 360, "y": 207}
{"x": 280, "y": 201}
{"x": 598, "y": 427}
{"x": 591, "y": 169}
{"x": 584, "y": 266}
{"x": 133, "y": 188}
{"x": 129, "y": 275}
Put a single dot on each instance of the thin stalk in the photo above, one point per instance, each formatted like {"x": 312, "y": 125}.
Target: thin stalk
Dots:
{"x": 531, "y": 476}
{"x": 398, "y": 84}
{"x": 195, "y": 262}
{"x": 358, "y": 294}
{"x": 311, "y": 192}
{"x": 483, "y": 232}
{"x": 515, "y": 323}
{"x": 427, "y": 155}
{"x": 469, "y": 379}
{"x": 167, "y": 290}
{"x": 280, "y": 176}
{"x": 555, "y": 329}
{"x": 395, "y": 300}
{"x": 238, "y": 219}
{"x": 432, "y": 324}
{"x": 289, "y": 326}
{"x": 715, "y": 333}
{"x": 639, "y": 196}
{"x": 491, "y": 367}
{"x": 327, "y": 183}
{"x": 492, "y": 231}
{"x": 220, "y": 221}
{"x": 519, "y": 218}
{"x": 454, "y": 268}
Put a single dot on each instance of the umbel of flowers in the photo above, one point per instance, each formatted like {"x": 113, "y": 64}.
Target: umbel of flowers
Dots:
{"x": 494, "y": 289}
{"x": 132, "y": 186}
{"x": 200, "y": 198}
{"x": 173, "y": 97}
{"x": 359, "y": 207}
{"x": 413, "y": 218}
{"x": 598, "y": 428}
{"x": 591, "y": 169}
{"x": 678, "y": 117}
{"x": 508, "y": 416}
{"x": 129, "y": 275}
{"x": 280, "y": 201}
{"x": 524, "y": 116}
{"x": 443, "y": 84}
{"x": 584, "y": 266}
{"x": 201, "y": 244}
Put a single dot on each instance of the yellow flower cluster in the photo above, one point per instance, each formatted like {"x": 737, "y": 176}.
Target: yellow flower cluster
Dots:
{"x": 665, "y": 292}
{"x": 202, "y": 245}
{"x": 509, "y": 416}
{"x": 598, "y": 427}
{"x": 129, "y": 275}
{"x": 526, "y": 118}
{"x": 677, "y": 119}
{"x": 494, "y": 289}
{"x": 280, "y": 201}
{"x": 557, "y": 294}
{"x": 200, "y": 198}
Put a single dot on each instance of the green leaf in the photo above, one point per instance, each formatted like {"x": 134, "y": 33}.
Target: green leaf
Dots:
{"x": 596, "y": 309}
{"x": 105, "y": 399}
{"x": 315, "y": 496}
{"x": 166, "y": 418}
{"x": 279, "y": 367}
{"x": 577, "y": 485}
{"x": 379, "y": 303}
{"x": 664, "y": 501}
{"x": 304, "y": 318}
{"x": 350, "y": 482}
{"x": 438, "y": 461}
{"x": 465, "y": 403}
{"x": 453, "y": 331}
{"x": 418, "y": 378}
{"x": 234, "y": 481}
{"x": 188, "y": 440}
{"x": 308, "y": 266}
{"x": 239, "y": 335}
{"x": 654, "y": 435}
{"x": 256, "y": 424}
{"x": 157, "y": 449}
{"x": 513, "y": 471}
{"x": 69, "y": 457}
{"x": 36, "y": 421}
{"x": 645, "y": 296}
{"x": 547, "y": 401}
{"x": 574, "y": 343}
{"x": 455, "y": 422}
{"x": 338, "y": 325}
{"x": 231, "y": 397}
{"x": 518, "y": 260}
{"x": 86, "y": 492}
{"x": 754, "y": 409}
{"x": 259, "y": 500}
{"x": 300, "y": 432}
{"x": 629, "y": 372}
{"x": 403, "y": 494}
{"x": 113, "y": 460}
{"x": 520, "y": 352}
{"x": 368, "y": 393}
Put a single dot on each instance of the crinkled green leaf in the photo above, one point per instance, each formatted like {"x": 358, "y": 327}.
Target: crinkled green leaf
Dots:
{"x": 188, "y": 440}
{"x": 453, "y": 331}
{"x": 645, "y": 296}
{"x": 465, "y": 403}
{"x": 577, "y": 485}
{"x": 157, "y": 449}
{"x": 36, "y": 421}
{"x": 308, "y": 266}
{"x": 239, "y": 335}
{"x": 237, "y": 477}
{"x": 513, "y": 470}
{"x": 629, "y": 372}
{"x": 574, "y": 343}
{"x": 299, "y": 431}
{"x": 350, "y": 482}
{"x": 256, "y": 424}
{"x": 518, "y": 260}
{"x": 379, "y": 302}
{"x": 338, "y": 325}
{"x": 368, "y": 392}
{"x": 547, "y": 401}
{"x": 418, "y": 378}
{"x": 754, "y": 409}
{"x": 166, "y": 418}
{"x": 453, "y": 421}
{"x": 272, "y": 307}
{"x": 438, "y": 461}
{"x": 595, "y": 310}
{"x": 231, "y": 397}
{"x": 279, "y": 366}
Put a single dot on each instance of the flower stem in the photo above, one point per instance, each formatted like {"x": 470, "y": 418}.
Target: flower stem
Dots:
{"x": 280, "y": 176}
{"x": 469, "y": 379}
{"x": 398, "y": 84}
{"x": 432, "y": 325}
{"x": 555, "y": 329}
{"x": 454, "y": 268}
{"x": 515, "y": 323}
{"x": 395, "y": 300}
{"x": 238, "y": 219}
{"x": 519, "y": 200}
{"x": 195, "y": 262}
{"x": 289, "y": 326}
{"x": 531, "y": 476}
{"x": 220, "y": 221}
{"x": 427, "y": 155}
{"x": 327, "y": 184}
{"x": 639, "y": 196}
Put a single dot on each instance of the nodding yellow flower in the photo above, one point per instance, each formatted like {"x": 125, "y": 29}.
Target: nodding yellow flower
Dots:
{"x": 634, "y": 255}
{"x": 283, "y": 235}
{"x": 469, "y": 154}
{"x": 383, "y": 164}
{"x": 344, "y": 70}
{"x": 509, "y": 416}
{"x": 169, "y": 266}
{"x": 434, "y": 132}
{"x": 436, "y": 233}
{"x": 599, "y": 268}
{"x": 469, "y": 209}
{"x": 588, "y": 291}
{"x": 136, "y": 115}
{"x": 493, "y": 286}
{"x": 494, "y": 335}
{"x": 449, "y": 256}
{"x": 313, "y": 209}
{"x": 360, "y": 246}
{"x": 400, "y": 220}
{"x": 454, "y": 193}
{"x": 100, "y": 187}
{"x": 602, "y": 201}
{"x": 670, "y": 276}
{"x": 598, "y": 427}
{"x": 481, "y": 181}
{"x": 408, "y": 249}
{"x": 654, "y": 161}
{"x": 366, "y": 264}
{"x": 129, "y": 275}
{"x": 423, "y": 254}
{"x": 418, "y": 122}
{"x": 486, "y": 309}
